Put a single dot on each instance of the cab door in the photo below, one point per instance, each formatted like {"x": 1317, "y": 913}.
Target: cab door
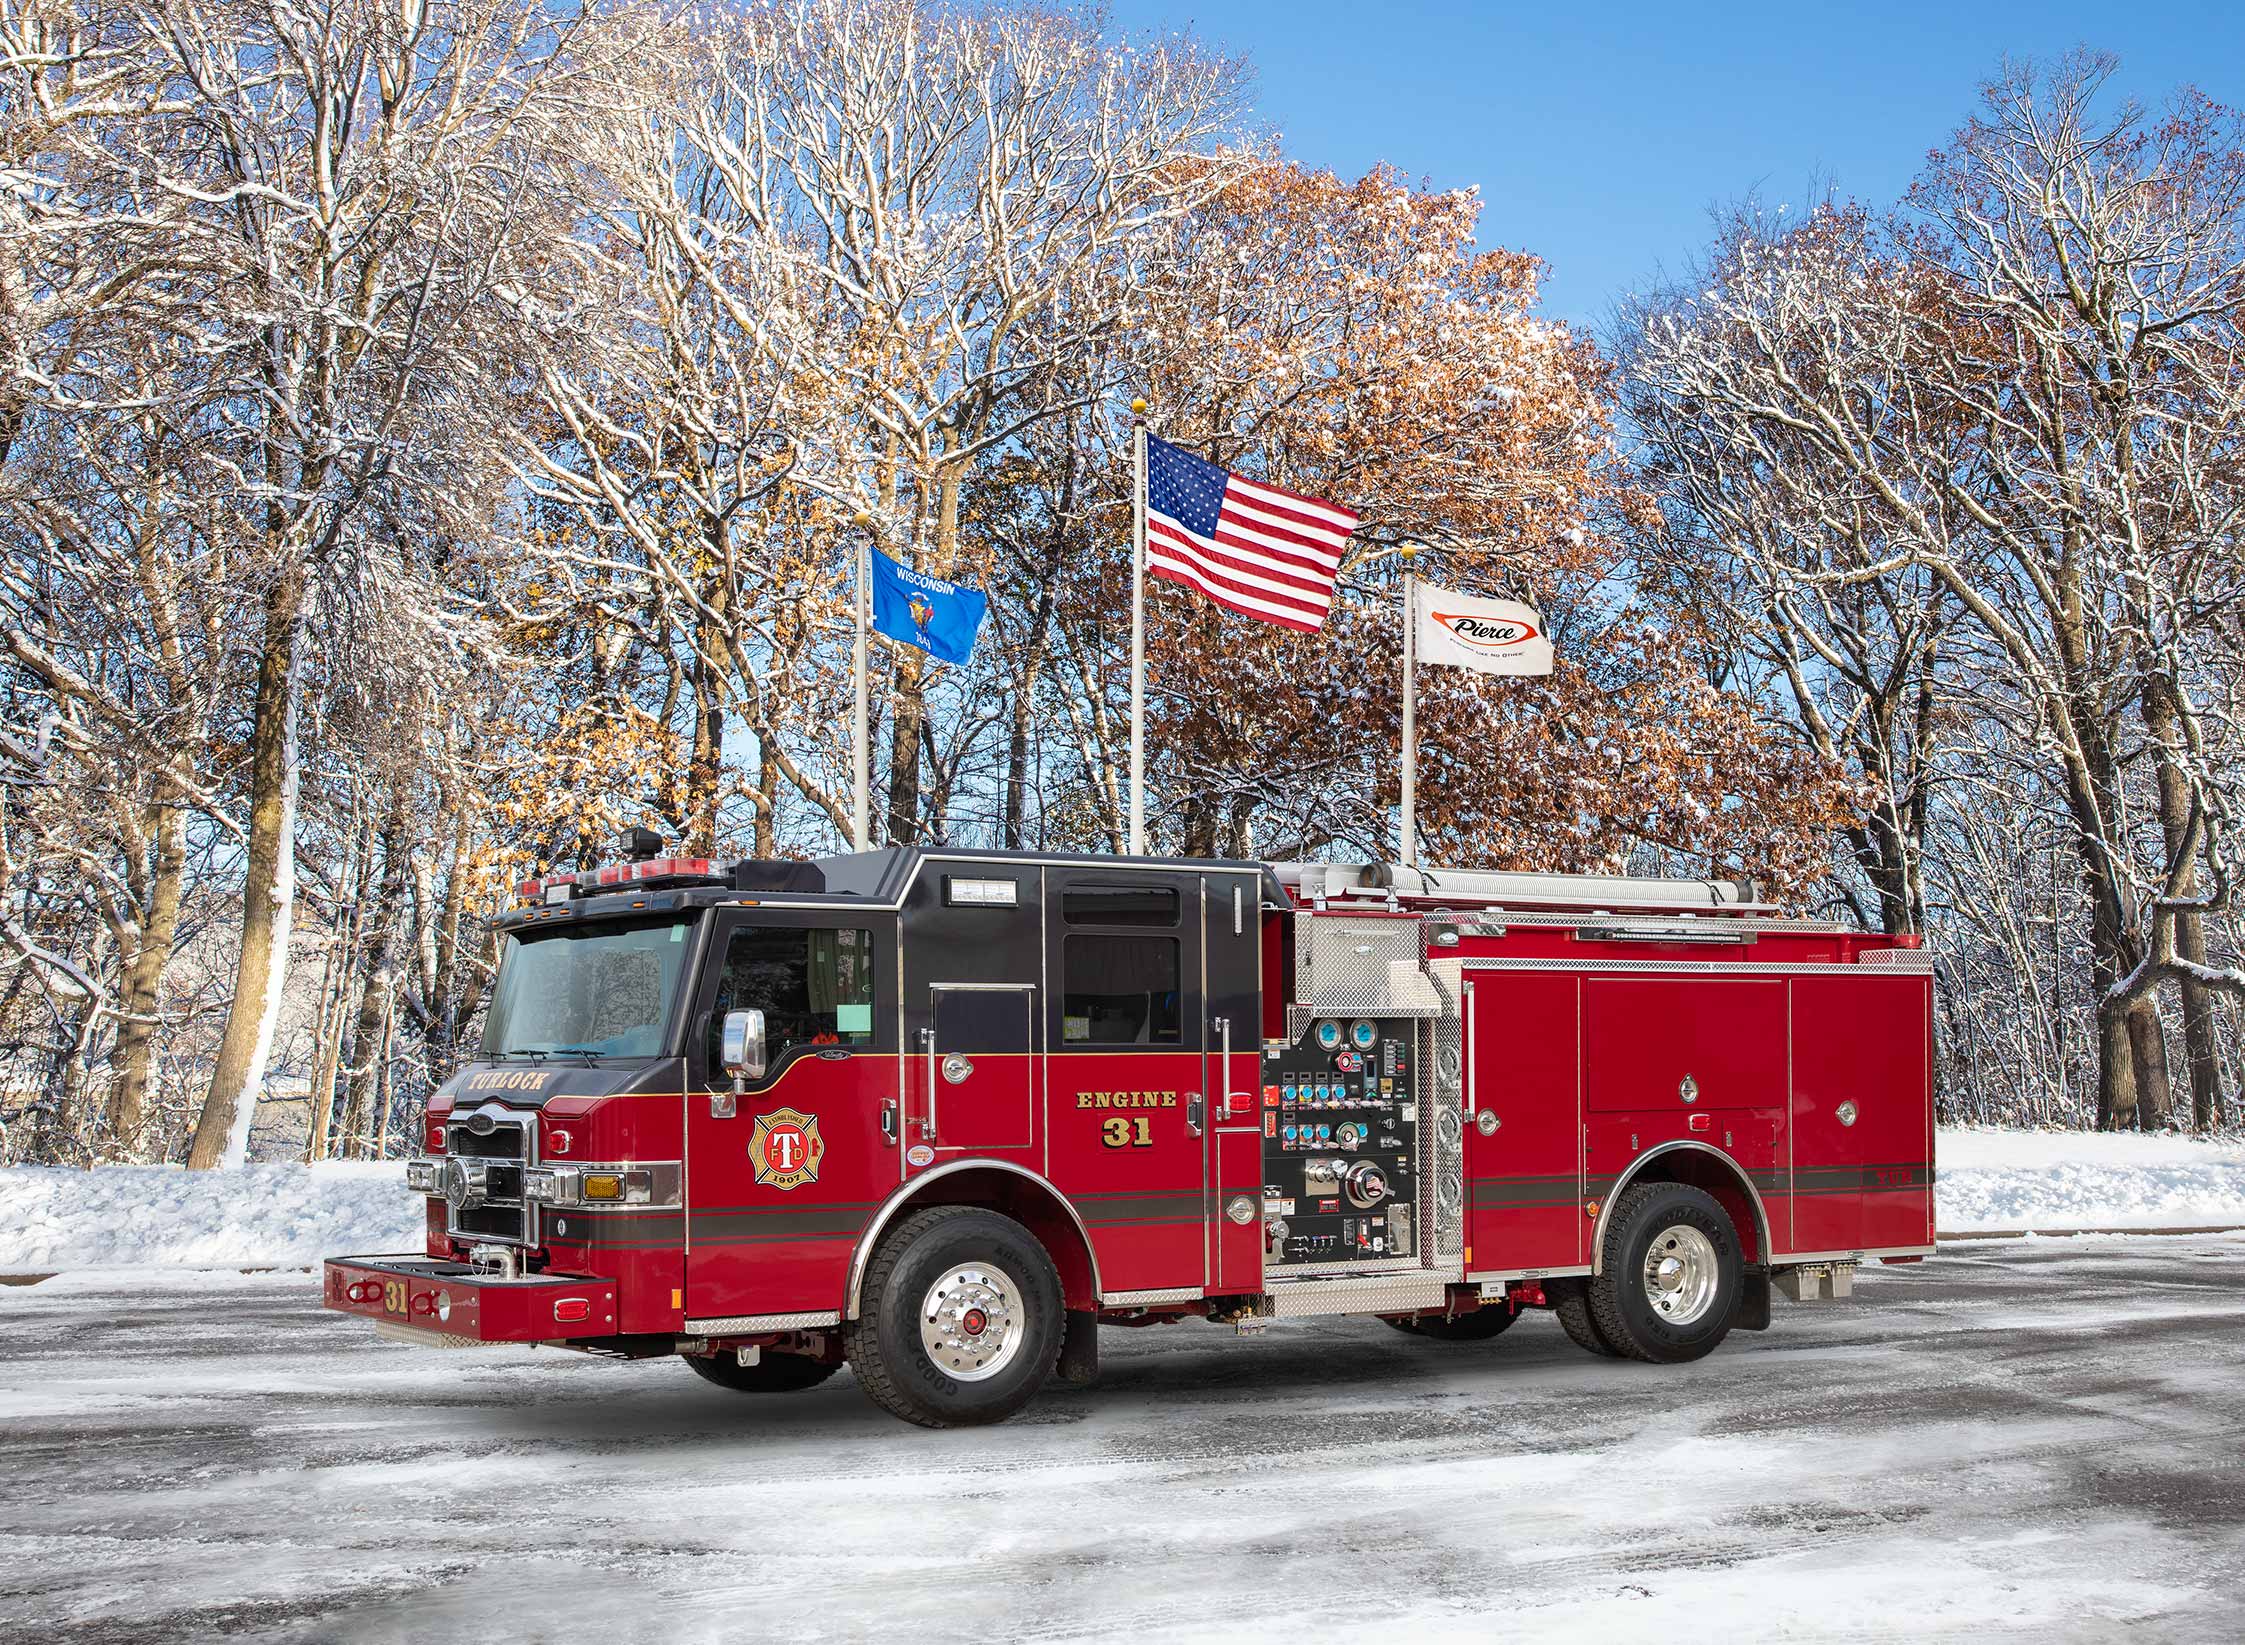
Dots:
{"x": 1128, "y": 1076}
{"x": 978, "y": 1074}
{"x": 973, "y": 1064}
{"x": 1231, "y": 926}
{"x": 782, "y": 1177}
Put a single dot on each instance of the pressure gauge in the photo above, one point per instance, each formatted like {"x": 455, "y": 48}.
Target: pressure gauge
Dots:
{"x": 1365, "y": 1035}
{"x": 1329, "y": 1035}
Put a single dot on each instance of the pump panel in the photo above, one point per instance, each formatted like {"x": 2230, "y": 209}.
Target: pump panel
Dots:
{"x": 1341, "y": 1145}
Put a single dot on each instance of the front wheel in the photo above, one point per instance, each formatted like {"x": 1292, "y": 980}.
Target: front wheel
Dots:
{"x": 960, "y": 1318}
{"x": 771, "y": 1373}
{"x": 1670, "y": 1274}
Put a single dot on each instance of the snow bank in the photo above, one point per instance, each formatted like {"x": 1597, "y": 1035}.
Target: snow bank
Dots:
{"x": 2085, "y": 1179}
{"x": 285, "y": 1216}
{"x": 257, "y": 1216}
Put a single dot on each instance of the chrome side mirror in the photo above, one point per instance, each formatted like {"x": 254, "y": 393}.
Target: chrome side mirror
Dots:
{"x": 741, "y": 1046}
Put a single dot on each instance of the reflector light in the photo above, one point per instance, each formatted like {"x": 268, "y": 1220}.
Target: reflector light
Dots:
{"x": 571, "y": 1310}
{"x": 603, "y": 1185}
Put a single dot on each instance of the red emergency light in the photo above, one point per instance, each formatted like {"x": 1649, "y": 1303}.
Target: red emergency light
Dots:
{"x": 641, "y": 873}
{"x": 608, "y": 876}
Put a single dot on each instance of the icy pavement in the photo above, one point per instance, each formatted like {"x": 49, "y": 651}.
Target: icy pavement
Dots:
{"x": 2013, "y": 1441}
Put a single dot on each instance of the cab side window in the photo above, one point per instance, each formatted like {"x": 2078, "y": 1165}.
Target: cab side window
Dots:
{"x": 1119, "y": 987}
{"x": 814, "y": 986}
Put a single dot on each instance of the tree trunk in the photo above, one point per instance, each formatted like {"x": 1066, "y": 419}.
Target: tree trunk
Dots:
{"x": 2201, "y": 1042}
{"x": 268, "y": 887}
{"x": 906, "y": 711}
{"x": 135, "y": 1053}
{"x": 327, "y": 1054}
{"x": 2202, "y": 1039}
{"x": 2147, "y": 1044}
{"x": 2116, "y": 1077}
{"x": 370, "y": 1038}
{"x": 705, "y": 767}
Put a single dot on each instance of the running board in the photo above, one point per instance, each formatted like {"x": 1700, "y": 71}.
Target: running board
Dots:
{"x": 1385, "y": 1294}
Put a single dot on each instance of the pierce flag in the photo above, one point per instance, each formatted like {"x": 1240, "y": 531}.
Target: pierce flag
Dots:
{"x": 1493, "y": 636}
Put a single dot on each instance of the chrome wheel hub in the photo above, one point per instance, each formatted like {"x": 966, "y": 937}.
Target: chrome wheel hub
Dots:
{"x": 970, "y": 1321}
{"x": 1682, "y": 1274}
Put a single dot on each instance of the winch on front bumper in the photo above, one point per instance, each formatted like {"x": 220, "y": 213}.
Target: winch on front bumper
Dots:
{"x": 454, "y": 1304}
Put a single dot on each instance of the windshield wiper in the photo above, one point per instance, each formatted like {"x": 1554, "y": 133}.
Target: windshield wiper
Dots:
{"x": 587, "y": 1052}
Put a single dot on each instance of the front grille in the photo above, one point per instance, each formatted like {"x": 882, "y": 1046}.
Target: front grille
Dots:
{"x": 498, "y": 1140}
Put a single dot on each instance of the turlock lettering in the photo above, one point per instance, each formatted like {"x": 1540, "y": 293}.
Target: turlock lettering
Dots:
{"x": 506, "y": 1079}
{"x": 1126, "y": 1099}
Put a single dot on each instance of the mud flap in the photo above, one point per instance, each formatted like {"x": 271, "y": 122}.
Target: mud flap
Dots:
{"x": 1079, "y": 1348}
{"x": 1753, "y": 1302}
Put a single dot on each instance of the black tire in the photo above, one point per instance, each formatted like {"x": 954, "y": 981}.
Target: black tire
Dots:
{"x": 773, "y": 1373}
{"x": 1489, "y": 1320}
{"x": 1572, "y": 1305}
{"x": 1622, "y": 1301}
{"x": 884, "y": 1343}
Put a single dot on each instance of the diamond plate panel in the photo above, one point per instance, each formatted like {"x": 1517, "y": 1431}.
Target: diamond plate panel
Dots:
{"x": 1387, "y": 1294}
{"x": 1368, "y": 967}
{"x": 736, "y": 1324}
{"x": 1442, "y": 1183}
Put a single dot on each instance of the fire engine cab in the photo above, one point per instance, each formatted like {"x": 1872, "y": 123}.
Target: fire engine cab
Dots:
{"x": 942, "y": 1114}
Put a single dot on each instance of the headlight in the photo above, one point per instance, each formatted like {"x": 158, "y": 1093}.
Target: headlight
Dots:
{"x": 593, "y": 1185}
{"x": 554, "y": 1186}
{"x": 421, "y": 1175}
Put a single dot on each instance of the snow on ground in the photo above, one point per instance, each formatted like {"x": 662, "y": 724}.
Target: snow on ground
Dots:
{"x": 259, "y": 1216}
{"x": 2086, "y": 1179}
{"x": 2027, "y": 1441}
{"x": 267, "y": 1216}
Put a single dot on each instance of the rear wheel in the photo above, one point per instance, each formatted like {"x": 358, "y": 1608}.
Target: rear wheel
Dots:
{"x": 1572, "y": 1305}
{"x": 1670, "y": 1274}
{"x": 771, "y": 1373}
{"x": 959, "y": 1319}
{"x": 1479, "y": 1326}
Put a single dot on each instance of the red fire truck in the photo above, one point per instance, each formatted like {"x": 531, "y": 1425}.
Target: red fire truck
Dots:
{"x": 942, "y": 1114}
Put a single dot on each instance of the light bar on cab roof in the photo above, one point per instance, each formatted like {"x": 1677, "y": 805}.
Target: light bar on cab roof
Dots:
{"x": 610, "y": 875}
{"x": 653, "y": 868}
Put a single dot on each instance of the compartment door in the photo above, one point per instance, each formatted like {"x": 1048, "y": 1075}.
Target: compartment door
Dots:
{"x": 978, "y": 1077}
{"x": 1523, "y": 1146}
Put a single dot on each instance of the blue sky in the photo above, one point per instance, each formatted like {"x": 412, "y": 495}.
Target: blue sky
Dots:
{"x": 1600, "y": 135}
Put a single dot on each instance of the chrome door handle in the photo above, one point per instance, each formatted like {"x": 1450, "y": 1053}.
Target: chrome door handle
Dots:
{"x": 1193, "y": 1107}
{"x": 927, "y": 1120}
{"x": 1224, "y": 1072}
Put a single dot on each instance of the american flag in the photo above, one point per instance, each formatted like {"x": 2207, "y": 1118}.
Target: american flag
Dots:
{"x": 1254, "y": 548}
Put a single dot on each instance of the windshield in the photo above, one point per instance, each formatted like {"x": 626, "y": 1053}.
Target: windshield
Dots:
{"x": 602, "y": 991}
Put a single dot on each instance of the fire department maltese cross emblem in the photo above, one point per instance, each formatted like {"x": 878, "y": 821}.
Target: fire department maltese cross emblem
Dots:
{"x": 786, "y": 1148}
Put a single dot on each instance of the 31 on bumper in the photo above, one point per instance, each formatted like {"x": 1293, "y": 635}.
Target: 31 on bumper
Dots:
{"x": 452, "y": 1300}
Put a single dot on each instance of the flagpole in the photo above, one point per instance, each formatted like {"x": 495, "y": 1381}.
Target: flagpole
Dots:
{"x": 1410, "y": 553}
{"x": 861, "y": 797}
{"x": 1138, "y": 628}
